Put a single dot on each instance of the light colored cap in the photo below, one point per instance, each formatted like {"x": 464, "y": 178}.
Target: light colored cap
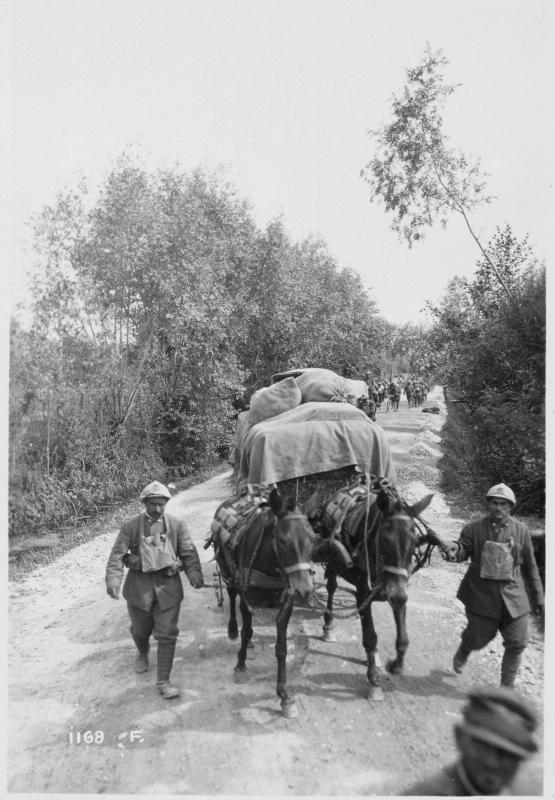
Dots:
{"x": 155, "y": 489}
{"x": 503, "y": 492}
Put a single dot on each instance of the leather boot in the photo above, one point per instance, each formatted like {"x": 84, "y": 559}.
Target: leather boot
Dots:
{"x": 460, "y": 658}
{"x": 509, "y": 667}
{"x": 141, "y": 661}
{"x": 165, "y": 655}
{"x": 142, "y": 645}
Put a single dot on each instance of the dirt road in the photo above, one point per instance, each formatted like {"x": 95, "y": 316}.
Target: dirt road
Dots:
{"x": 71, "y": 672}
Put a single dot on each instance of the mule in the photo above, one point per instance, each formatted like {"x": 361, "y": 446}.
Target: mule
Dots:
{"x": 373, "y": 547}
{"x": 269, "y": 565}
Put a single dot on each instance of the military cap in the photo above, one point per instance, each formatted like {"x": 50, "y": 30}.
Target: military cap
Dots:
{"x": 500, "y": 717}
{"x": 155, "y": 489}
{"x": 502, "y": 492}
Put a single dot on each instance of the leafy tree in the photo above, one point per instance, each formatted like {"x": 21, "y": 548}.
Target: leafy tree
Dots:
{"x": 153, "y": 303}
{"x": 416, "y": 173}
{"x": 496, "y": 362}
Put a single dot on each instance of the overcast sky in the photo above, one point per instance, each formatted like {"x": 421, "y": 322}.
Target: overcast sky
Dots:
{"x": 281, "y": 94}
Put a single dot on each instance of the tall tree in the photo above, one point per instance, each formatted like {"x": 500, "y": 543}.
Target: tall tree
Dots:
{"x": 416, "y": 173}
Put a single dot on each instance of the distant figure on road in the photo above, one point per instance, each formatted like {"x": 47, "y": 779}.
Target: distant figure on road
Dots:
{"x": 494, "y": 738}
{"x": 154, "y": 546}
{"x": 493, "y": 591}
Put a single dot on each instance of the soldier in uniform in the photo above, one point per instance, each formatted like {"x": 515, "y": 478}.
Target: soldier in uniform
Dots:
{"x": 493, "y": 740}
{"x": 154, "y": 546}
{"x": 493, "y": 589}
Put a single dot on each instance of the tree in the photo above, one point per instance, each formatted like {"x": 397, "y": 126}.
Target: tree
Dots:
{"x": 417, "y": 175}
{"x": 498, "y": 367}
{"x": 154, "y": 303}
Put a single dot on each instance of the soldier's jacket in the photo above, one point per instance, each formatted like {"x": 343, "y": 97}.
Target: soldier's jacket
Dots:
{"x": 140, "y": 588}
{"x": 487, "y": 597}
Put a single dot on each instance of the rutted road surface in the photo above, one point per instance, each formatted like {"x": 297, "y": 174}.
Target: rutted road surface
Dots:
{"x": 71, "y": 671}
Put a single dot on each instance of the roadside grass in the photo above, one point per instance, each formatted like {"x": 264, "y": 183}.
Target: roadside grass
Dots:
{"x": 27, "y": 553}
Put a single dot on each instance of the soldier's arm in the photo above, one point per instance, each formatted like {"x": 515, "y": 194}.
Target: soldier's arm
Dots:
{"x": 530, "y": 571}
{"x": 114, "y": 567}
{"x": 189, "y": 556}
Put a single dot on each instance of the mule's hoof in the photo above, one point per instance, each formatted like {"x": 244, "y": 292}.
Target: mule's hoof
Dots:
{"x": 328, "y": 636}
{"x": 289, "y": 710}
{"x": 393, "y": 667}
{"x": 375, "y": 694}
{"x": 232, "y": 633}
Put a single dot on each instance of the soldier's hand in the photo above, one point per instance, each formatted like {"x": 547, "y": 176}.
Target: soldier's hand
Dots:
{"x": 197, "y": 583}
{"x": 113, "y": 591}
{"x": 450, "y": 550}
{"x": 539, "y": 609}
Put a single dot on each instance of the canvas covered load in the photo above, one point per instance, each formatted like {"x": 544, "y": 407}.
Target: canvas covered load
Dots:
{"x": 312, "y": 438}
{"x": 324, "y": 385}
{"x": 273, "y": 400}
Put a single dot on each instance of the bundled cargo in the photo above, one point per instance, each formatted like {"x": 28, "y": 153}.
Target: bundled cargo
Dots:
{"x": 314, "y": 438}
{"x": 273, "y": 400}
{"x": 325, "y": 386}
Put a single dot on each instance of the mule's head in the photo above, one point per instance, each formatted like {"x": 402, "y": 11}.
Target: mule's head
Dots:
{"x": 293, "y": 543}
{"x": 397, "y": 543}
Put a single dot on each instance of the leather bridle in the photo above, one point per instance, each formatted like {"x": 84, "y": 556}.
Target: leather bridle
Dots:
{"x": 299, "y": 566}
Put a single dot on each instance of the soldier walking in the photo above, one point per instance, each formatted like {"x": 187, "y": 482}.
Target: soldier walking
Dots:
{"x": 154, "y": 546}
{"x": 493, "y": 590}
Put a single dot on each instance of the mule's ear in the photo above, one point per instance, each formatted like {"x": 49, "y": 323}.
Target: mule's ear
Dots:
{"x": 385, "y": 503}
{"x": 419, "y": 507}
{"x": 312, "y": 504}
{"x": 276, "y": 503}
{"x": 281, "y": 503}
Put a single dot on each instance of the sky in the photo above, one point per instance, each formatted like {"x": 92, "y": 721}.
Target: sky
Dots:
{"x": 280, "y": 96}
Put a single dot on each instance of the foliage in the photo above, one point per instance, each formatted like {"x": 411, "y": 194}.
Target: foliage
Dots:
{"x": 416, "y": 174}
{"x": 492, "y": 355}
{"x": 154, "y": 303}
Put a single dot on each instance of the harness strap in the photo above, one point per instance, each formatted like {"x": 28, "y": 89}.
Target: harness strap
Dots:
{"x": 253, "y": 578}
{"x": 396, "y": 570}
{"x": 297, "y": 567}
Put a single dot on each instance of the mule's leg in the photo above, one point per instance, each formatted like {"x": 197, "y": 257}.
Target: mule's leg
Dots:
{"x": 395, "y": 665}
{"x": 288, "y": 705}
{"x": 246, "y": 635}
{"x": 331, "y": 586}
{"x": 232, "y": 629}
{"x": 369, "y": 642}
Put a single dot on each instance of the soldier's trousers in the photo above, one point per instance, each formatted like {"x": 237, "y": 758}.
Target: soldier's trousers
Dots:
{"x": 481, "y": 630}
{"x": 160, "y": 623}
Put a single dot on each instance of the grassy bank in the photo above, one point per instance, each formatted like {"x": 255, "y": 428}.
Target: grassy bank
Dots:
{"x": 26, "y": 553}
